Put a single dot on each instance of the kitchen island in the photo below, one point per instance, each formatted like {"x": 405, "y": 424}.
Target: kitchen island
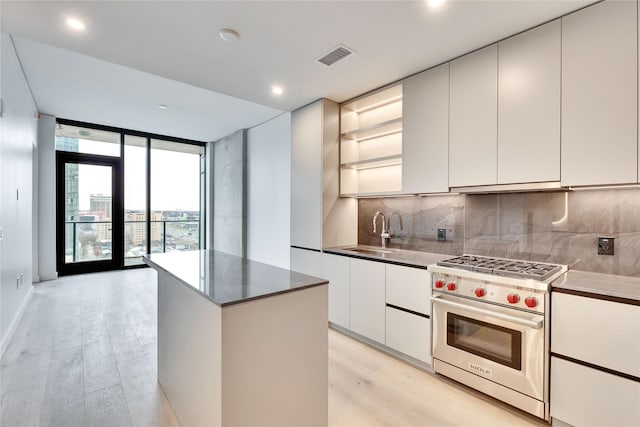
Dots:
{"x": 241, "y": 343}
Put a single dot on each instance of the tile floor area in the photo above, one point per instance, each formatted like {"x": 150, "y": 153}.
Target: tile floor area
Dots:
{"x": 84, "y": 354}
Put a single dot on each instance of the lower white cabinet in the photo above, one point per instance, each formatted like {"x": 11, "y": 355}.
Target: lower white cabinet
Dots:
{"x": 336, "y": 269}
{"x": 604, "y": 333}
{"x": 409, "y": 288}
{"x": 306, "y": 261}
{"x": 409, "y": 334}
{"x": 595, "y": 349}
{"x": 586, "y": 397}
{"x": 367, "y": 300}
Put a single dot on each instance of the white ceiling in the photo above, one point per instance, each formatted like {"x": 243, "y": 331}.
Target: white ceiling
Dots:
{"x": 279, "y": 43}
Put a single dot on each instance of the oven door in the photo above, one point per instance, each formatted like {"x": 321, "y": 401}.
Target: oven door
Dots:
{"x": 502, "y": 345}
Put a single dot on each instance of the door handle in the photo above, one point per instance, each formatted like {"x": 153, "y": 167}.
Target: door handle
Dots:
{"x": 534, "y": 324}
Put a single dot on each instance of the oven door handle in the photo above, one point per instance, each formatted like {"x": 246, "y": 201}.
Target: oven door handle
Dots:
{"x": 534, "y": 324}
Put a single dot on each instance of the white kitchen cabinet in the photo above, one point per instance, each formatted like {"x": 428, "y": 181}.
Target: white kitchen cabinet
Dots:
{"x": 586, "y": 397}
{"x": 409, "y": 334}
{"x": 408, "y": 327}
{"x": 425, "y": 132}
{"x": 600, "y": 94}
{"x": 306, "y": 176}
{"x": 306, "y": 261}
{"x": 408, "y": 288}
{"x": 336, "y": 269}
{"x": 367, "y": 300}
{"x": 595, "y": 348}
{"x": 319, "y": 217}
{"x": 529, "y": 106}
{"x": 603, "y": 333}
{"x": 473, "y": 118}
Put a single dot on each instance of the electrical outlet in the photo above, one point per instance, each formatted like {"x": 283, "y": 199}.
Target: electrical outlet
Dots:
{"x": 442, "y": 234}
{"x": 605, "y": 246}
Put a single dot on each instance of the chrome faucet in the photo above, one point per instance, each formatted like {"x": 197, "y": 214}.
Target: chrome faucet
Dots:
{"x": 384, "y": 233}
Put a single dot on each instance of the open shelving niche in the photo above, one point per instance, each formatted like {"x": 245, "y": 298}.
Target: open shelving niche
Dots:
{"x": 371, "y": 144}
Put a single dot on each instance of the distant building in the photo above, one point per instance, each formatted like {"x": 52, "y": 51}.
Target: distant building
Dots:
{"x": 100, "y": 203}
{"x": 136, "y": 227}
{"x": 64, "y": 143}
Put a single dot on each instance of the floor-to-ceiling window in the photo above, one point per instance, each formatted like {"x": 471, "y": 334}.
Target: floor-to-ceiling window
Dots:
{"x": 123, "y": 194}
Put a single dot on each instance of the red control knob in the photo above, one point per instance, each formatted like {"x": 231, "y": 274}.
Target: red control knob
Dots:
{"x": 480, "y": 292}
{"x": 531, "y": 302}
{"x": 439, "y": 284}
{"x": 513, "y": 298}
{"x": 451, "y": 286}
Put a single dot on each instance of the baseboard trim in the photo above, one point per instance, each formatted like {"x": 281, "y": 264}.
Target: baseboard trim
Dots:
{"x": 4, "y": 343}
{"x": 385, "y": 349}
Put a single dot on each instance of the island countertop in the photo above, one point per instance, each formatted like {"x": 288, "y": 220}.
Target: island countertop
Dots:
{"x": 227, "y": 279}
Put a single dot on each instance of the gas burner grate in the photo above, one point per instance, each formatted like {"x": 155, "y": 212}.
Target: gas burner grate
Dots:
{"x": 503, "y": 267}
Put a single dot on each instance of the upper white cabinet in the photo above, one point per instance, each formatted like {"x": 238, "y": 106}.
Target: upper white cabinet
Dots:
{"x": 425, "y": 130}
{"x": 529, "y": 106}
{"x": 473, "y": 118}
{"x": 599, "y": 95}
{"x": 371, "y": 144}
{"x": 319, "y": 218}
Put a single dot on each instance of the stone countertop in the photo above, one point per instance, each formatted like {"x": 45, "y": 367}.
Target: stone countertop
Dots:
{"x": 391, "y": 256}
{"x": 226, "y": 279}
{"x": 606, "y": 285}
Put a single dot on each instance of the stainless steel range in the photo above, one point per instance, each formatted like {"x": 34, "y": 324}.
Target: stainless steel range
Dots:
{"x": 491, "y": 327}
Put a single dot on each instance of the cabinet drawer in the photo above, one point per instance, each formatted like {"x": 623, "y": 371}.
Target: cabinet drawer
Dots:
{"x": 583, "y": 396}
{"x": 408, "y": 288}
{"x": 409, "y": 334}
{"x": 600, "y": 332}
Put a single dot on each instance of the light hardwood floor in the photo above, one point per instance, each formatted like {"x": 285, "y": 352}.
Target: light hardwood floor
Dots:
{"x": 84, "y": 354}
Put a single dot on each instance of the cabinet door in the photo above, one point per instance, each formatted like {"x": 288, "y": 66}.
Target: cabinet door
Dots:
{"x": 306, "y": 176}
{"x": 473, "y": 133}
{"x": 599, "y": 95}
{"x": 603, "y": 333}
{"x": 306, "y": 262}
{"x": 583, "y": 396}
{"x": 409, "y": 334}
{"x": 425, "y": 132}
{"x": 409, "y": 288}
{"x": 367, "y": 299}
{"x": 336, "y": 269}
{"x": 529, "y": 106}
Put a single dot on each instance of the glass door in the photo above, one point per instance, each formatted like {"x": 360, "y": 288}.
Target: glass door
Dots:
{"x": 89, "y": 213}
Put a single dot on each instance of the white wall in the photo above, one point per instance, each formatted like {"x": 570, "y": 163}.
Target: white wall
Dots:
{"x": 19, "y": 135}
{"x": 268, "y": 191}
{"x": 46, "y": 198}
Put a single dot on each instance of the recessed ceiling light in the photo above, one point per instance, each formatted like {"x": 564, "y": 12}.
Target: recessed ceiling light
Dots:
{"x": 76, "y": 24}
{"x": 277, "y": 90}
{"x": 162, "y": 106}
{"x": 435, "y": 4}
{"x": 228, "y": 35}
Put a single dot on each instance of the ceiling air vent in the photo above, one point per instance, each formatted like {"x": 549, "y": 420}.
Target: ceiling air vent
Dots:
{"x": 335, "y": 55}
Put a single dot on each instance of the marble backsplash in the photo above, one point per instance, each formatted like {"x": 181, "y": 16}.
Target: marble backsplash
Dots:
{"x": 414, "y": 222}
{"x": 560, "y": 227}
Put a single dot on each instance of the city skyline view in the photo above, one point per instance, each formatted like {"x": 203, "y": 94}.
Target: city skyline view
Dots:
{"x": 168, "y": 191}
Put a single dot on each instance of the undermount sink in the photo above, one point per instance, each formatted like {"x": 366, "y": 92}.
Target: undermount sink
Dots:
{"x": 369, "y": 251}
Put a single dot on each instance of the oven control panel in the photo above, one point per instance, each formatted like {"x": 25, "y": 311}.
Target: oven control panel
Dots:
{"x": 485, "y": 290}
